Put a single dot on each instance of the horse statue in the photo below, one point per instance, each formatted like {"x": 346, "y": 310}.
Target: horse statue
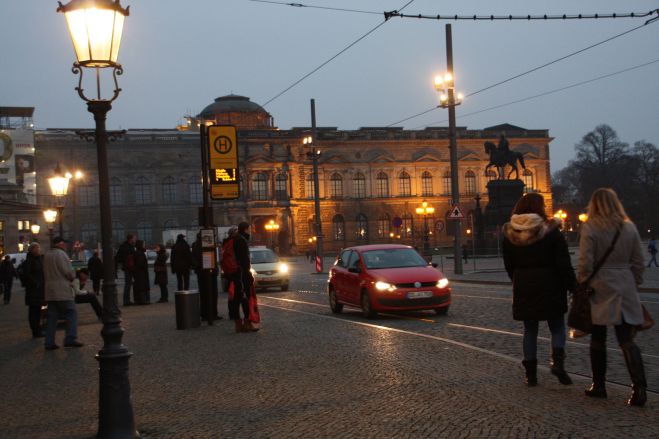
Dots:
{"x": 502, "y": 157}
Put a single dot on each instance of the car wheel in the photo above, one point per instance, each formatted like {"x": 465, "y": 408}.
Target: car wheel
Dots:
{"x": 334, "y": 302}
{"x": 441, "y": 311}
{"x": 284, "y": 287}
{"x": 367, "y": 309}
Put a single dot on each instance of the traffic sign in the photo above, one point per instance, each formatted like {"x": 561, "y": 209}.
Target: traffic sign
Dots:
{"x": 456, "y": 213}
{"x": 439, "y": 226}
{"x": 223, "y": 154}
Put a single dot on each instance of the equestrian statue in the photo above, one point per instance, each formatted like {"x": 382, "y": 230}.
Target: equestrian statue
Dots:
{"x": 500, "y": 156}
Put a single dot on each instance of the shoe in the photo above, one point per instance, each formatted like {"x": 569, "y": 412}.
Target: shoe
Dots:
{"x": 218, "y": 317}
{"x": 73, "y": 344}
{"x": 596, "y": 391}
{"x": 247, "y": 325}
{"x": 239, "y": 326}
{"x": 557, "y": 366}
{"x": 51, "y": 347}
{"x": 531, "y": 368}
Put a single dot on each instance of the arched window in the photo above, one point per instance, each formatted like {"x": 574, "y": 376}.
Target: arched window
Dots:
{"x": 281, "y": 186}
{"x": 87, "y": 195}
{"x": 407, "y": 227}
{"x": 362, "y": 227}
{"x": 144, "y": 231}
{"x": 259, "y": 186}
{"x": 170, "y": 224}
{"x": 143, "y": 191}
{"x": 338, "y": 228}
{"x": 359, "y": 185}
{"x": 404, "y": 184}
{"x": 382, "y": 185}
{"x": 194, "y": 189}
{"x": 88, "y": 233}
{"x": 490, "y": 175}
{"x": 118, "y": 232}
{"x": 426, "y": 184}
{"x": 527, "y": 177}
{"x": 470, "y": 183}
{"x": 336, "y": 185}
{"x": 309, "y": 186}
{"x": 169, "y": 190}
{"x": 446, "y": 183}
{"x": 116, "y": 192}
{"x": 384, "y": 224}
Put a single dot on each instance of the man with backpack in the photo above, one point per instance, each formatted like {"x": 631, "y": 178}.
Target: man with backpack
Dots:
{"x": 126, "y": 258}
{"x": 652, "y": 249}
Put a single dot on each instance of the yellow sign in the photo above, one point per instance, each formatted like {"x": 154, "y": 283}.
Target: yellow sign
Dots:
{"x": 223, "y": 154}
{"x": 223, "y": 146}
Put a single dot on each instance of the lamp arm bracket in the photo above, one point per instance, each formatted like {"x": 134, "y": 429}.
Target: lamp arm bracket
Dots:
{"x": 117, "y": 70}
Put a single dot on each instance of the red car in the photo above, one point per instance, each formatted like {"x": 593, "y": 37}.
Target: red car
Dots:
{"x": 385, "y": 278}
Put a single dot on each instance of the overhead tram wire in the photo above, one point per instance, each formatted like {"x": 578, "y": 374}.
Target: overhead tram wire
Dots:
{"x": 544, "y": 17}
{"x": 345, "y": 49}
{"x": 562, "y": 58}
{"x": 556, "y": 90}
{"x": 301, "y": 5}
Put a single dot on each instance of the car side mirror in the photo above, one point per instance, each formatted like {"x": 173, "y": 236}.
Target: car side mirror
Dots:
{"x": 355, "y": 270}
{"x": 434, "y": 264}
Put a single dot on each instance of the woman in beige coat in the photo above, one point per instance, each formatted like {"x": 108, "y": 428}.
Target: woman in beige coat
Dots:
{"x": 615, "y": 301}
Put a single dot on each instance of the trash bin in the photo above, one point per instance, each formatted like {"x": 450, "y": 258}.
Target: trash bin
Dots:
{"x": 187, "y": 309}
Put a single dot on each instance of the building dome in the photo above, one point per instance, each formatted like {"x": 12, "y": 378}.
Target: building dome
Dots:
{"x": 236, "y": 110}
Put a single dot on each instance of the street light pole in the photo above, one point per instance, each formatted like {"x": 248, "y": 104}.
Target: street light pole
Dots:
{"x": 104, "y": 20}
{"x": 316, "y": 189}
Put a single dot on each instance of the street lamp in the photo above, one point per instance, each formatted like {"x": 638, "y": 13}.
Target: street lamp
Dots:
{"x": 59, "y": 187}
{"x": 96, "y": 27}
{"x": 272, "y": 227}
{"x": 445, "y": 85}
{"x": 425, "y": 209}
{"x": 50, "y": 216}
{"x": 314, "y": 153}
{"x": 76, "y": 176}
{"x": 34, "y": 228}
{"x": 583, "y": 217}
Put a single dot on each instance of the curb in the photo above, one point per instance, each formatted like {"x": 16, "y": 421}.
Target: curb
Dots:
{"x": 497, "y": 282}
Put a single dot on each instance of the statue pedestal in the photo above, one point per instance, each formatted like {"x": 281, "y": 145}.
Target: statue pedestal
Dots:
{"x": 503, "y": 194}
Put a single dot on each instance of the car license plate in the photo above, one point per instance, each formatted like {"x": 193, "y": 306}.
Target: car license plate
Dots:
{"x": 419, "y": 294}
{"x": 267, "y": 279}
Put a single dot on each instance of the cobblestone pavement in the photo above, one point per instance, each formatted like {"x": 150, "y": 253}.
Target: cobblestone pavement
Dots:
{"x": 309, "y": 373}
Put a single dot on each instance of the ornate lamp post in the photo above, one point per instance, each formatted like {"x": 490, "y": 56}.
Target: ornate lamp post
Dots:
{"x": 96, "y": 27}
{"x": 272, "y": 227}
{"x": 313, "y": 154}
{"x": 35, "y": 228}
{"x": 50, "y": 216}
{"x": 425, "y": 209}
{"x": 59, "y": 187}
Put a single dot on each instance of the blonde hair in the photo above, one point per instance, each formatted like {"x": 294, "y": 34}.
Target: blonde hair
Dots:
{"x": 605, "y": 209}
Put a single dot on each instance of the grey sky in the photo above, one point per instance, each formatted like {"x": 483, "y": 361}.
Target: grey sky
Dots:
{"x": 179, "y": 56}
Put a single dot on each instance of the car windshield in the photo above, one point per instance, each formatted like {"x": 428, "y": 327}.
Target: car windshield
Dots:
{"x": 393, "y": 258}
{"x": 263, "y": 256}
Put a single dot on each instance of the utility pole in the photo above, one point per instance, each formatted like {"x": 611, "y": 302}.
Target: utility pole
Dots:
{"x": 453, "y": 146}
{"x": 316, "y": 192}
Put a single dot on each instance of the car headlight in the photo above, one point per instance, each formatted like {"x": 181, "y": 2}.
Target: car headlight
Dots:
{"x": 382, "y": 286}
{"x": 442, "y": 283}
{"x": 283, "y": 268}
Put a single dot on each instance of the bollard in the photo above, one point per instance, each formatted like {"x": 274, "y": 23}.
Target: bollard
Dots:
{"x": 187, "y": 309}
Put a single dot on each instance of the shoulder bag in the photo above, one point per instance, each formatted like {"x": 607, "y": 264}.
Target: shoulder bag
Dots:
{"x": 579, "y": 316}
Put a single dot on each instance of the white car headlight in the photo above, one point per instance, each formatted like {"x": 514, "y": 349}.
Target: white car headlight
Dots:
{"x": 442, "y": 283}
{"x": 283, "y": 268}
{"x": 382, "y": 286}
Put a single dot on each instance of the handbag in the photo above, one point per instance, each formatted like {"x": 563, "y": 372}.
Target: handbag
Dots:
{"x": 579, "y": 316}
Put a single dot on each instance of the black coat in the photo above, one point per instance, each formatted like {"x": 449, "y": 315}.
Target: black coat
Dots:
{"x": 34, "y": 280}
{"x": 95, "y": 267}
{"x": 7, "y": 271}
{"x": 160, "y": 268}
{"x": 541, "y": 271}
{"x": 141, "y": 274}
{"x": 181, "y": 257}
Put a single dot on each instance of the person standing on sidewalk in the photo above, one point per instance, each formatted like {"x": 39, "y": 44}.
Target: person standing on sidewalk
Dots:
{"x": 7, "y": 275}
{"x": 126, "y": 258}
{"x": 243, "y": 281}
{"x": 181, "y": 261}
{"x": 160, "y": 272}
{"x": 652, "y": 249}
{"x": 95, "y": 267}
{"x": 58, "y": 275}
{"x": 33, "y": 279}
{"x": 616, "y": 300}
{"x": 537, "y": 260}
{"x": 141, "y": 284}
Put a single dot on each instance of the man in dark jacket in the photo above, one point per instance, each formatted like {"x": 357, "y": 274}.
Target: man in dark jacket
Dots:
{"x": 181, "y": 261}
{"x": 7, "y": 275}
{"x": 95, "y": 267}
{"x": 126, "y": 258}
{"x": 34, "y": 287}
{"x": 244, "y": 282}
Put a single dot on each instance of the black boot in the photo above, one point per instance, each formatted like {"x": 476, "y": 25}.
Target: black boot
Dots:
{"x": 558, "y": 365}
{"x": 531, "y": 367}
{"x": 598, "y": 366}
{"x": 634, "y": 362}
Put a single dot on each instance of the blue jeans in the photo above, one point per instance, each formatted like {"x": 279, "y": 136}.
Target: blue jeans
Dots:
{"x": 128, "y": 281}
{"x": 55, "y": 310}
{"x": 530, "y": 343}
